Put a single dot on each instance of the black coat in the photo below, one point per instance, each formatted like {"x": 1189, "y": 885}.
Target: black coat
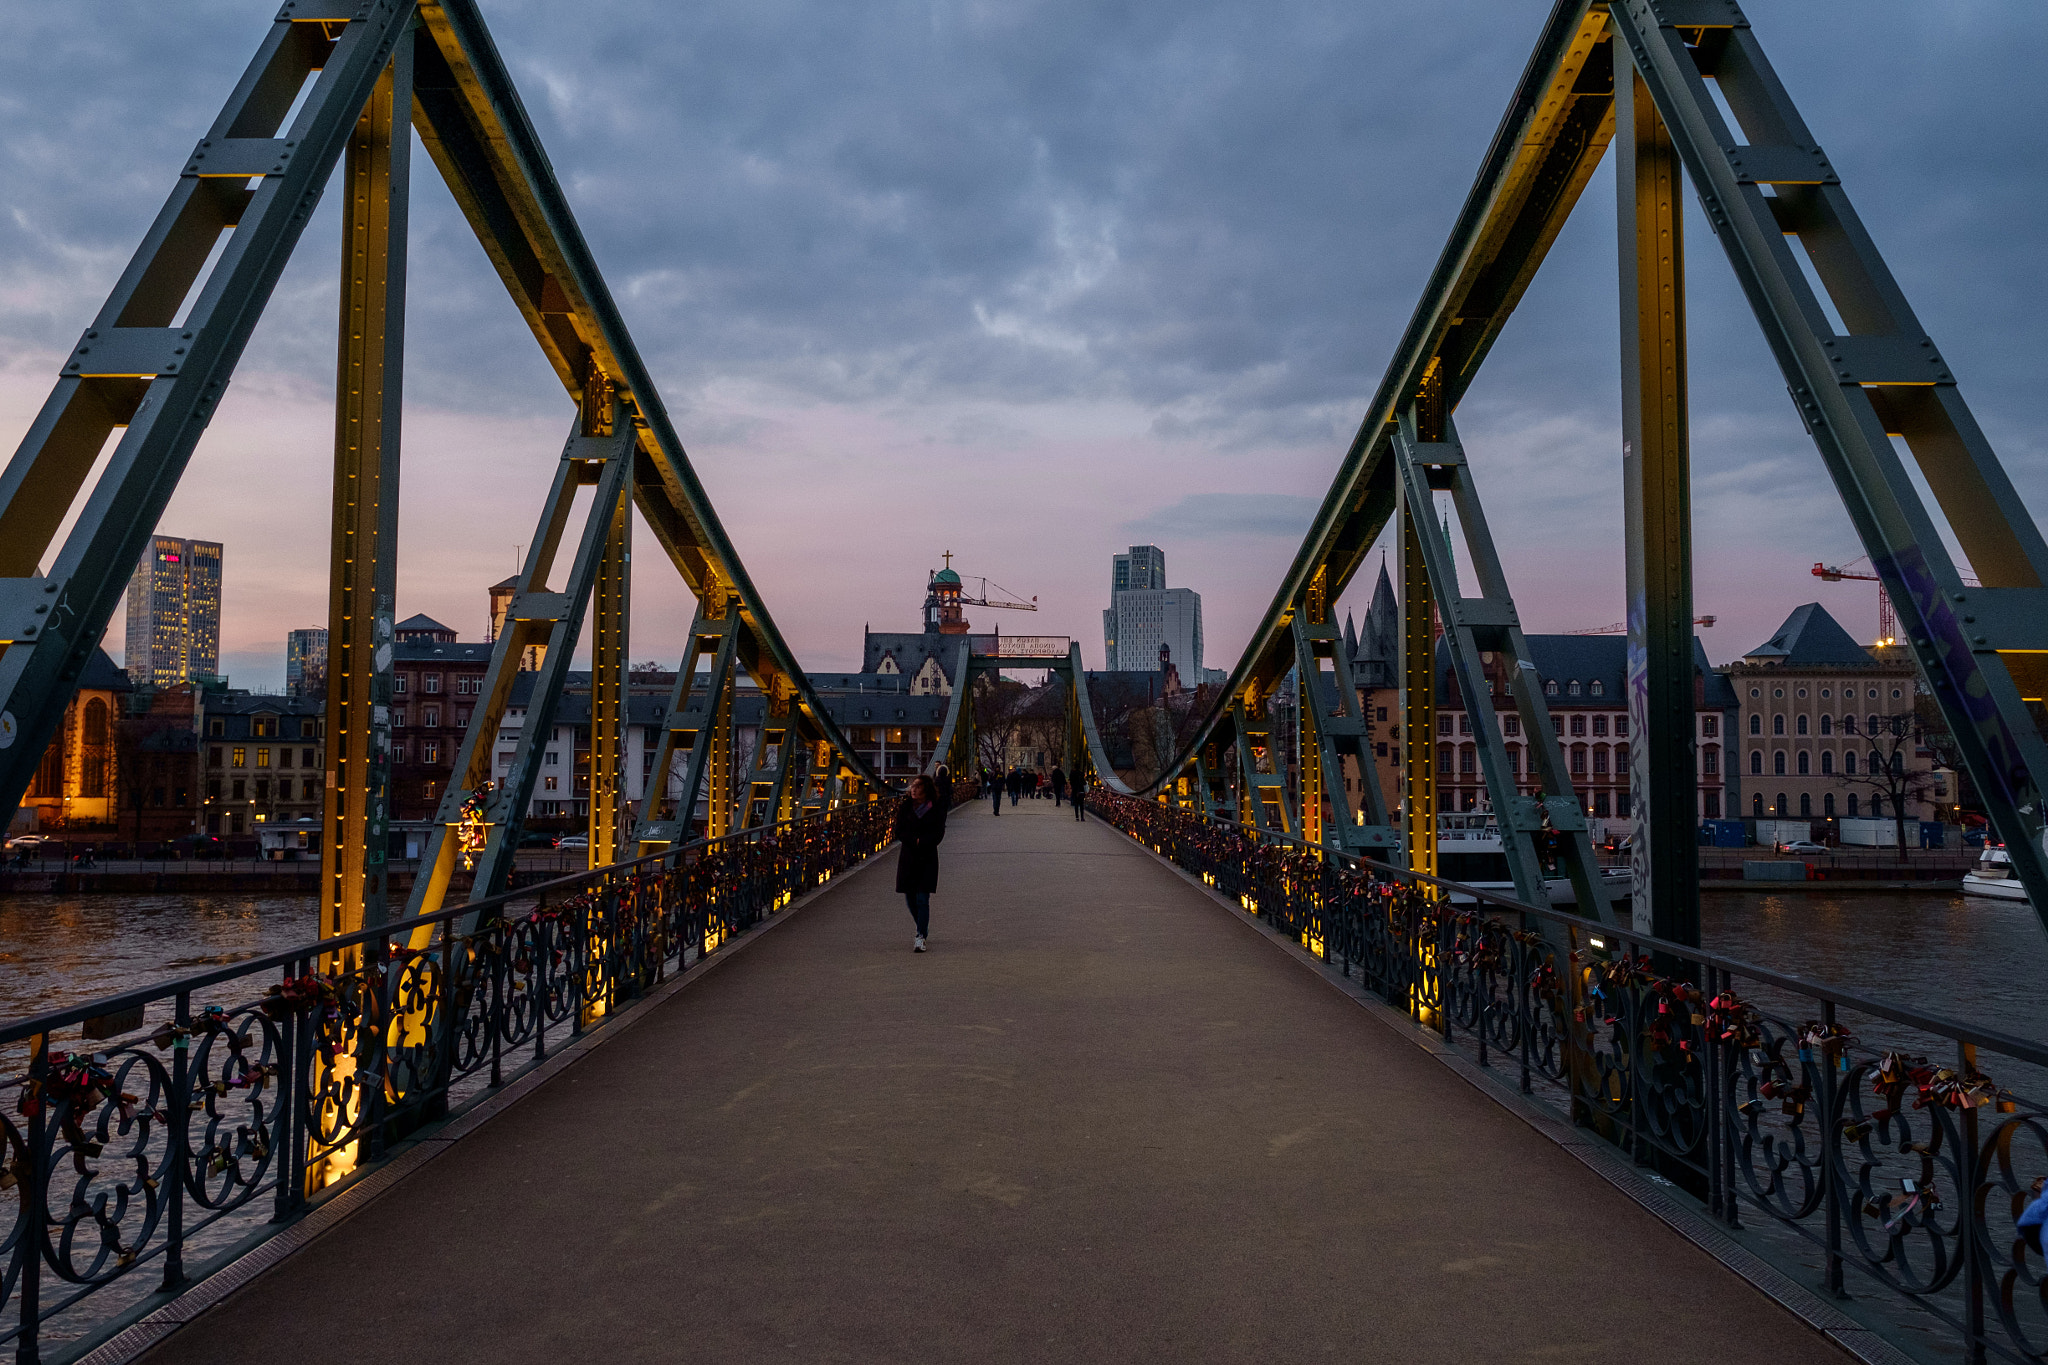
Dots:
{"x": 943, "y": 780}
{"x": 917, "y": 865}
{"x": 1059, "y": 779}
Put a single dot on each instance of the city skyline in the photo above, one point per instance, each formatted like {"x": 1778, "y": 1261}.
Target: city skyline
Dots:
{"x": 1110, "y": 358}
{"x": 173, "y": 612}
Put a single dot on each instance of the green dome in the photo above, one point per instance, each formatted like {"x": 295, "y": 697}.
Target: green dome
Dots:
{"x": 946, "y": 576}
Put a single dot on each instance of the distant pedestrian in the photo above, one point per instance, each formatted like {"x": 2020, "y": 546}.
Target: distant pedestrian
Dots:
{"x": 994, "y": 783}
{"x": 1059, "y": 786}
{"x": 942, "y": 787}
{"x": 1016, "y": 784}
{"x": 920, "y": 826}
{"x": 1077, "y": 790}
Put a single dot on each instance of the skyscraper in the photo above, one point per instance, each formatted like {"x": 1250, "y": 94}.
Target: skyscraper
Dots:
{"x": 174, "y": 613}
{"x": 1144, "y": 614}
{"x": 305, "y": 661}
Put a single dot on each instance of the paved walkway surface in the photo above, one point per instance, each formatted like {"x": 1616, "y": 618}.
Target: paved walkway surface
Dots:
{"x": 1100, "y": 1121}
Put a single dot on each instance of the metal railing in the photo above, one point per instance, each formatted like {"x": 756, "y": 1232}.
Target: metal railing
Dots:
{"x": 219, "y": 1106}
{"x": 1859, "y": 1138}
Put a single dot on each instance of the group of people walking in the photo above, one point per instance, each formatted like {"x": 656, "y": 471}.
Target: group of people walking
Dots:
{"x": 1022, "y": 782}
{"x": 921, "y": 827}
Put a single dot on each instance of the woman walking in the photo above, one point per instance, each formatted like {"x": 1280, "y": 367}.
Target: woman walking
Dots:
{"x": 920, "y": 825}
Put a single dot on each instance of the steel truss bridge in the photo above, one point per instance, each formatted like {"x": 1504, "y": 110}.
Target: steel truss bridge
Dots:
{"x": 350, "y": 75}
{"x": 1638, "y": 70}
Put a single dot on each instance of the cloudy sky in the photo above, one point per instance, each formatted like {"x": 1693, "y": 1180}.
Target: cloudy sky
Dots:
{"x": 1028, "y": 281}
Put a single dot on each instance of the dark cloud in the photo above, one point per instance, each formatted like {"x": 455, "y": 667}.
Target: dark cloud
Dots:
{"x": 1211, "y": 516}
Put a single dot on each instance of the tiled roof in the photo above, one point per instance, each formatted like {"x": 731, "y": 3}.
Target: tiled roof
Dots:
{"x": 1810, "y": 638}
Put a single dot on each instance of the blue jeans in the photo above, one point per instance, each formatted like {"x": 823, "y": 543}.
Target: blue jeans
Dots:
{"x": 920, "y": 909}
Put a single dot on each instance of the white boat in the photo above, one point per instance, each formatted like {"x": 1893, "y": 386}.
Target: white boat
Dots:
{"x": 1992, "y": 877}
{"x": 1469, "y": 850}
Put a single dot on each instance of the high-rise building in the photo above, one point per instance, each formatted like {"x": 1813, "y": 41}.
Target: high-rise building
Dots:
{"x": 174, "y": 613}
{"x": 305, "y": 661}
{"x": 1144, "y": 615}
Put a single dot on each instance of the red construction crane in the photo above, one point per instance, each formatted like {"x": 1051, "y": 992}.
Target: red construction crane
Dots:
{"x": 1887, "y": 622}
{"x": 1621, "y": 627}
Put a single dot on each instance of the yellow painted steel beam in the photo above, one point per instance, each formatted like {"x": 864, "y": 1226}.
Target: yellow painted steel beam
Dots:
{"x": 1418, "y": 699}
{"x": 363, "y": 550}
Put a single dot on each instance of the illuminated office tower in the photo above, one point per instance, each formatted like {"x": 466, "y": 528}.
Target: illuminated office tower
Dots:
{"x": 174, "y": 613}
{"x": 305, "y": 662}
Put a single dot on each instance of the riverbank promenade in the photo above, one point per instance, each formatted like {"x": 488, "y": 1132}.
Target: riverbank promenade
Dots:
{"x": 1103, "y": 1119}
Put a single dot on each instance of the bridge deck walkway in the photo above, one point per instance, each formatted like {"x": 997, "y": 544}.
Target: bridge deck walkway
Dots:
{"x": 1098, "y": 1121}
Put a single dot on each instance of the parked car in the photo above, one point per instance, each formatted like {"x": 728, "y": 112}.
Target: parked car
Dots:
{"x": 28, "y": 841}
{"x": 1801, "y": 846}
{"x": 197, "y": 846}
{"x": 535, "y": 838}
{"x": 579, "y": 841}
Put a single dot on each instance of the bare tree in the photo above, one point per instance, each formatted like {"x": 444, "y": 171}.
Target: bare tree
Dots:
{"x": 1887, "y": 770}
{"x": 999, "y": 708}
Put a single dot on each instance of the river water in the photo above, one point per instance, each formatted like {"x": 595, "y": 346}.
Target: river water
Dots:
{"x": 1981, "y": 961}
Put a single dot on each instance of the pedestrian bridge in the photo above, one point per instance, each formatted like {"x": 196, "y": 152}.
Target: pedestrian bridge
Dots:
{"x": 1102, "y": 1119}
{"x": 1244, "y": 1080}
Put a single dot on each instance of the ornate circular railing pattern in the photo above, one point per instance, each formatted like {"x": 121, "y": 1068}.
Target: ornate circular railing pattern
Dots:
{"x": 116, "y": 1164}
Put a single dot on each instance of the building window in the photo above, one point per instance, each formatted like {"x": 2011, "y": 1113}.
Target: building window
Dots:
{"x": 1383, "y": 713}
{"x": 552, "y": 758}
{"x": 305, "y": 758}
{"x": 1600, "y": 761}
{"x": 1778, "y": 763}
{"x": 1550, "y": 687}
{"x": 1621, "y": 726}
{"x": 549, "y": 782}
{"x": 1510, "y": 724}
{"x": 1852, "y": 805}
{"x": 398, "y": 752}
{"x": 262, "y": 789}
{"x": 216, "y": 727}
{"x": 1756, "y": 762}
{"x": 213, "y": 789}
{"x": 1848, "y": 725}
{"x": 1599, "y": 798}
{"x": 1599, "y": 725}
{"x": 305, "y": 729}
{"x": 1756, "y": 802}
{"x": 430, "y": 752}
{"x": 430, "y": 682}
{"x": 1805, "y": 804}
{"x": 1805, "y": 763}
{"x": 1710, "y": 726}
{"x": 1827, "y": 805}
{"x": 1446, "y": 724}
{"x": 1801, "y": 727}
{"x": 1712, "y": 805}
{"x": 1464, "y": 723}
{"x": 1621, "y": 758}
{"x": 1578, "y": 725}
{"x": 1779, "y": 809}
{"x": 1756, "y": 724}
{"x": 401, "y": 683}
{"x": 1579, "y": 760}
{"x": 1466, "y": 759}
{"x": 1827, "y": 725}
{"x": 1572, "y": 688}
{"x": 1777, "y": 725}
{"x": 1876, "y": 807}
{"x": 1598, "y": 689}
{"x": 430, "y": 716}
{"x": 1443, "y": 760}
{"x": 213, "y": 757}
{"x": 398, "y": 717}
{"x": 263, "y": 757}
{"x": 1849, "y": 766}
{"x": 241, "y": 757}
{"x": 1827, "y": 766}
{"x": 1710, "y": 760}
{"x": 239, "y": 791}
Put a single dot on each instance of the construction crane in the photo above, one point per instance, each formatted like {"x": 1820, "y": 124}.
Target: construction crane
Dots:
{"x": 984, "y": 600}
{"x": 1887, "y": 620}
{"x": 1621, "y": 627}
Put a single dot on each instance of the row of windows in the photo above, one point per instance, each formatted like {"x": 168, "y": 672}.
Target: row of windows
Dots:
{"x": 1848, "y": 693}
{"x": 1599, "y": 755}
{"x": 1511, "y": 724}
{"x": 238, "y": 789}
{"x": 1827, "y": 805}
{"x": 430, "y": 716}
{"x": 1803, "y": 763}
{"x": 241, "y": 757}
{"x": 265, "y": 727}
{"x": 430, "y": 683}
{"x": 1873, "y": 724}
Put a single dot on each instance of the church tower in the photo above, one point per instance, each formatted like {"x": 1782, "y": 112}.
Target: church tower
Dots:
{"x": 942, "y": 610}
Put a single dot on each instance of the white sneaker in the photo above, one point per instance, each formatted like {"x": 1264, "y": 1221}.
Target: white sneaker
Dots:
{"x": 917, "y": 944}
